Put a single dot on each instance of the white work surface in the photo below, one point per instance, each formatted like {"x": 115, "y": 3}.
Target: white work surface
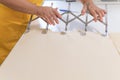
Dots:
{"x": 56, "y": 56}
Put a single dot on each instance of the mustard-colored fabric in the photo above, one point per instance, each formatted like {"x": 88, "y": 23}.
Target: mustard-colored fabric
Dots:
{"x": 12, "y": 26}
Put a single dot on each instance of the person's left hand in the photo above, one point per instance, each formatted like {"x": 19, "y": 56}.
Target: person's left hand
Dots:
{"x": 95, "y": 11}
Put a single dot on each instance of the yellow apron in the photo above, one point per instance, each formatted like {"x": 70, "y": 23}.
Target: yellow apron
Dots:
{"x": 12, "y": 25}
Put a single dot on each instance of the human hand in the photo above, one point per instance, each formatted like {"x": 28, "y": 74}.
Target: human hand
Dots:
{"x": 95, "y": 11}
{"x": 48, "y": 14}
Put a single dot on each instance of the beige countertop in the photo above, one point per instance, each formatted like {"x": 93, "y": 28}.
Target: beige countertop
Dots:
{"x": 56, "y": 56}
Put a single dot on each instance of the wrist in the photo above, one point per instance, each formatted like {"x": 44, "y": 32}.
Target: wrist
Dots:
{"x": 37, "y": 10}
{"x": 87, "y": 2}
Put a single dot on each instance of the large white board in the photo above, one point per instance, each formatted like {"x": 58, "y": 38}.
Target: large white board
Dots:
{"x": 54, "y": 56}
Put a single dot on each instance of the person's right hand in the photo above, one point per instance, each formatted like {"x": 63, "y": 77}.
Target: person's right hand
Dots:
{"x": 48, "y": 14}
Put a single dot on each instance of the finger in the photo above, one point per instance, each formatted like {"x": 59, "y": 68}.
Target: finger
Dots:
{"x": 102, "y": 13}
{"x": 94, "y": 14}
{"x": 51, "y": 20}
{"x": 49, "y": 16}
{"x": 55, "y": 19}
{"x": 83, "y": 11}
{"x": 55, "y": 16}
{"x": 105, "y": 12}
{"x": 100, "y": 17}
{"x": 56, "y": 13}
{"x": 47, "y": 20}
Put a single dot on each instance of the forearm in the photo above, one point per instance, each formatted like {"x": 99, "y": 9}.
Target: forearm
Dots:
{"x": 20, "y": 5}
{"x": 49, "y": 14}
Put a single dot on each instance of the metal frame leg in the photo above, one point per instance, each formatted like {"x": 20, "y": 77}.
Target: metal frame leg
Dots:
{"x": 104, "y": 23}
{"x": 67, "y": 19}
{"x": 28, "y": 26}
{"x": 86, "y": 24}
{"x": 106, "y": 20}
